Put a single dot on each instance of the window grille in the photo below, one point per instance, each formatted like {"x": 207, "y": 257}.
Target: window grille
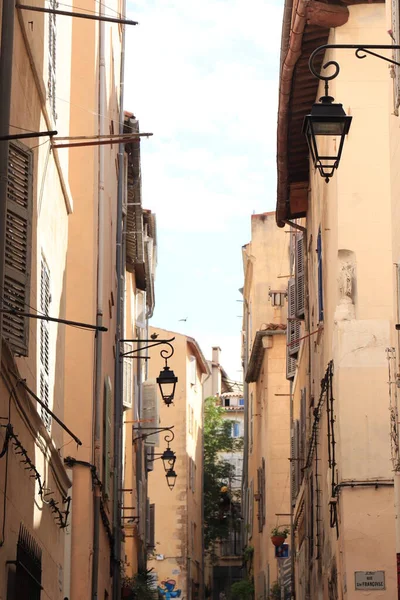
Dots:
{"x": 28, "y": 575}
{"x": 18, "y": 247}
{"x": 44, "y": 351}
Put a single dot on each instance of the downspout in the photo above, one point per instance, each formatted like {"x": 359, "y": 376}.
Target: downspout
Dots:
{"x": 118, "y": 383}
{"x": 6, "y": 59}
{"x": 99, "y": 310}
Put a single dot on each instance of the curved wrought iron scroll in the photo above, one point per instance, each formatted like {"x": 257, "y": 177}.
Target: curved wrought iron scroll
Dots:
{"x": 361, "y": 51}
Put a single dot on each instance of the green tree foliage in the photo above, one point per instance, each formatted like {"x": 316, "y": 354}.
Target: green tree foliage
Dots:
{"x": 243, "y": 590}
{"x": 217, "y": 438}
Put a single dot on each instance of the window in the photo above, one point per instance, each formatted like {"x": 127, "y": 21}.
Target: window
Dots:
{"x": 192, "y": 475}
{"x": 140, "y": 311}
{"x": 151, "y": 510}
{"x": 190, "y": 419}
{"x": 127, "y": 394}
{"x": 251, "y": 422}
{"x": 18, "y": 247}
{"x": 107, "y": 436}
{"x": 44, "y": 344}
{"x": 52, "y": 58}
{"x": 241, "y": 401}
{"x": 235, "y": 429}
{"x": 320, "y": 280}
{"x": 192, "y": 370}
{"x": 28, "y": 576}
{"x": 261, "y": 495}
{"x": 227, "y": 402}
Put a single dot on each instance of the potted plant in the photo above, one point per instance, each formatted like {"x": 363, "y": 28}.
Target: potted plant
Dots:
{"x": 279, "y": 535}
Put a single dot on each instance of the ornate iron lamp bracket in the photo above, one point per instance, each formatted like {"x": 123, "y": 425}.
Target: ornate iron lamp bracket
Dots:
{"x": 169, "y": 437}
{"x": 361, "y": 51}
{"x": 166, "y": 353}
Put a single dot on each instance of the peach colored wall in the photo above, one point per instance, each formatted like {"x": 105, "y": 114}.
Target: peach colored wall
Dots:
{"x": 82, "y": 282}
{"x": 354, "y": 213}
{"x": 268, "y": 268}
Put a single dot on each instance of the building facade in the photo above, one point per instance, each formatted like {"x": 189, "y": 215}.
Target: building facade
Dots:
{"x": 266, "y": 474}
{"x": 345, "y": 298}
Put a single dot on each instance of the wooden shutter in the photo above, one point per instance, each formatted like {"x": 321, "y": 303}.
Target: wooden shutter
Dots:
{"x": 44, "y": 350}
{"x": 396, "y": 55}
{"x": 52, "y": 58}
{"x": 152, "y": 526}
{"x": 107, "y": 440}
{"x": 320, "y": 280}
{"x": 303, "y": 431}
{"x": 251, "y": 506}
{"x": 18, "y": 247}
{"x": 128, "y": 376}
{"x": 295, "y": 463}
{"x": 292, "y": 332}
{"x": 300, "y": 277}
{"x": 150, "y": 411}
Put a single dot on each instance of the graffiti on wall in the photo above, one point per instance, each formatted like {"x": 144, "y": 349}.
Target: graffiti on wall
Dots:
{"x": 167, "y": 589}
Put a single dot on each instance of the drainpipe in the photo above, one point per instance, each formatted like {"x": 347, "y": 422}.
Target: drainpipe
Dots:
{"x": 6, "y": 56}
{"x": 118, "y": 383}
{"x": 99, "y": 310}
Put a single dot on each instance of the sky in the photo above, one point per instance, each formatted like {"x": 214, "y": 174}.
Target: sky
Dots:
{"x": 202, "y": 76}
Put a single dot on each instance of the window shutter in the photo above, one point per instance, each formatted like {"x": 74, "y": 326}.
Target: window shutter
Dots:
{"x": 52, "y": 56}
{"x": 251, "y": 505}
{"x": 292, "y": 466}
{"x": 44, "y": 350}
{"x": 300, "y": 277}
{"x": 150, "y": 411}
{"x": 152, "y": 526}
{"x": 396, "y": 54}
{"x": 320, "y": 281}
{"x": 192, "y": 370}
{"x": 149, "y": 458}
{"x": 303, "y": 431}
{"x": 263, "y": 490}
{"x": 292, "y": 332}
{"x": 128, "y": 376}
{"x": 18, "y": 247}
{"x": 107, "y": 441}
{"x": 295, "y": 467}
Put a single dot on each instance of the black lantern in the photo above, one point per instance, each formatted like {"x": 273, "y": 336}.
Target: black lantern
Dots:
{"x": 167, "y": 383}
{"x": 171, "y": 478}
{"x": 326, "y": 119}
{"x": 168, "y": 458}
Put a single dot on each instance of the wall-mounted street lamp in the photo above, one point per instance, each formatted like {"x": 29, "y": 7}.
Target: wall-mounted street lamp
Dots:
{"x": 166, "y": 380}
{"x": 168, "y": 457}
{"x": 171, "y": 478}
{"x": 327, "y": 118}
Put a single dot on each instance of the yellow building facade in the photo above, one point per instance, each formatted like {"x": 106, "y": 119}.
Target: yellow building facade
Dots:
{"x": 345, "y": 299}
{"x": 266, "y": 469}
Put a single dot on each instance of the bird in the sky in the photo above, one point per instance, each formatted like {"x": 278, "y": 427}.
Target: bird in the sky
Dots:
{"x": 185, "y": 319}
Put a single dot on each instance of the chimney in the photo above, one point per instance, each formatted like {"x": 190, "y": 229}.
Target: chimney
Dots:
{"x": 215, "y": 354}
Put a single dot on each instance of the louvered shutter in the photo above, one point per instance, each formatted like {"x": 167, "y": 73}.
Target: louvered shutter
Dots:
{"x": 291, "y": 332}
{"x": 300, "y": 277}
{"x": 44, "y": 349}
{"x": 107, "y": 441}
{"x": 152, "y": 524}
{"x": 263, "y": 490}
{"x": 396, "y": 54}
{"x": 150, "y": 411}
{"x": 18, "y": 247}
{"x": 128, "y": 376}
{"x": 303, "y": 431}
{"x": 320, "y": 280}
{"x": 251, "y": 505}
{"x": 297, "y": 451}
{"x": 292, "y": 466}
{"x": 293, "y": 323}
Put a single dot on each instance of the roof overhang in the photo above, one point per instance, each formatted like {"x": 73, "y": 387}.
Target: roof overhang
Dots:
{"x": 257, "y": 352}
{"x": 306, "y": 25}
